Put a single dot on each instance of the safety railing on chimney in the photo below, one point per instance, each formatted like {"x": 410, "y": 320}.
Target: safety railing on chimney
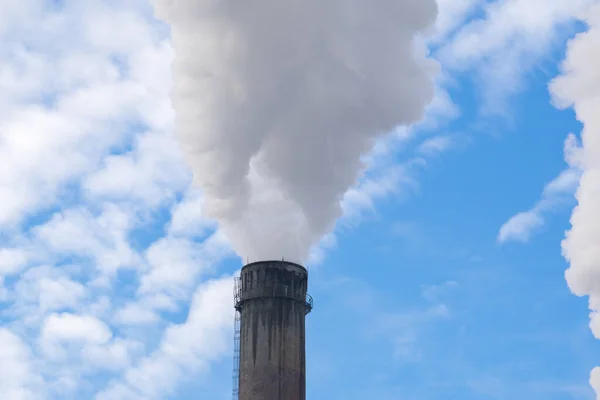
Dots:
{"x": 270, "y": 291}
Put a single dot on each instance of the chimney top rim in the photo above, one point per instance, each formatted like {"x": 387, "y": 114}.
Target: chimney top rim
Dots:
{"x": 281, "y": 263}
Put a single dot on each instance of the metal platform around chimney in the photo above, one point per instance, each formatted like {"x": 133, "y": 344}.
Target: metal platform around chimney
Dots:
{"x": 280, "y": 291}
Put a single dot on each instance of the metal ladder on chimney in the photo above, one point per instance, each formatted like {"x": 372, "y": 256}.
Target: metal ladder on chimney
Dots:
{"x": 236, "y": 356}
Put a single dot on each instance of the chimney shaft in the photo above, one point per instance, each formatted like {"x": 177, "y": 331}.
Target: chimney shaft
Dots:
{"x": 272, "y": 300}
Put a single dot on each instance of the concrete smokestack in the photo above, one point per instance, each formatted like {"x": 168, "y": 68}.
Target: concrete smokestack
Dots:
{"x": 271, "y": 297}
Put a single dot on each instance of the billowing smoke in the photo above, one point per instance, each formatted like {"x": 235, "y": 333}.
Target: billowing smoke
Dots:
{"x": 579, "y": 86}
{"x": 276, "y": 101}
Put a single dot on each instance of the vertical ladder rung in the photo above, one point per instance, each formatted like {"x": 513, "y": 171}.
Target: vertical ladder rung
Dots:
{"x": 236, "y": 355}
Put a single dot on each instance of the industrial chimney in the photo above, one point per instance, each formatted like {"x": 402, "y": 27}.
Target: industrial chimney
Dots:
{"x": 271, "y": 305}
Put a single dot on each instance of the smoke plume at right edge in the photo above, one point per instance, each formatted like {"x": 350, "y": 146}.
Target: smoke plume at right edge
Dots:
{"x": 277, "y": 100}
{"x": 579, "y": 86}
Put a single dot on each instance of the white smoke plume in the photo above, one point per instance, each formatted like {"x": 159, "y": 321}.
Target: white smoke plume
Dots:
{"x": 579, "y": 87}
{"x": 276, "y": 101}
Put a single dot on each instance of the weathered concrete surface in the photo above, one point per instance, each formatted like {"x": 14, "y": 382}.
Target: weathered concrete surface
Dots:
{"x": 272, "y": 340}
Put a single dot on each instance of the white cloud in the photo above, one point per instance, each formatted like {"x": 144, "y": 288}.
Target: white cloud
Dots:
{"x": 90, "y": 174}
{"x": 102, "y": 237}
{"x": 136, "y": 313}
{"x": 184, "y": 350}
{"x": 436, "y": 145}
{"x": 175, "y": 263}
{"x": 521, "y": 226}
{"x": 44, "y": 289}
{"x": 434, "y": 293}
{"x": 451, "y": 14}
{"x": 12, "y": 261}
{"x": 579, "y": 86}
{"x": 71, "y": 327}
{"x": 78, "y": 82}
{"x": 566, "y": 182}
{"x": 17, "y": 379}
{"x": 363, "y": 196}
{"x": 114, "y": 356}
{"x": 152, "y": 173}
{"x": 558, "y": 192}
{"x": 65, "y": 101}
{"x": 145, "y": 310}
{"x": 504, "y": 45}
{"x": 187, "y": 218}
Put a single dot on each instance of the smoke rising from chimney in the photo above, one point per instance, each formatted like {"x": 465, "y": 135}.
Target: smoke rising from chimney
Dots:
{"x": 276, "y": 101}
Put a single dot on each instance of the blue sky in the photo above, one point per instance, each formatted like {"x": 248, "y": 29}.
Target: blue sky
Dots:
{"x": 444, "y": 277}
